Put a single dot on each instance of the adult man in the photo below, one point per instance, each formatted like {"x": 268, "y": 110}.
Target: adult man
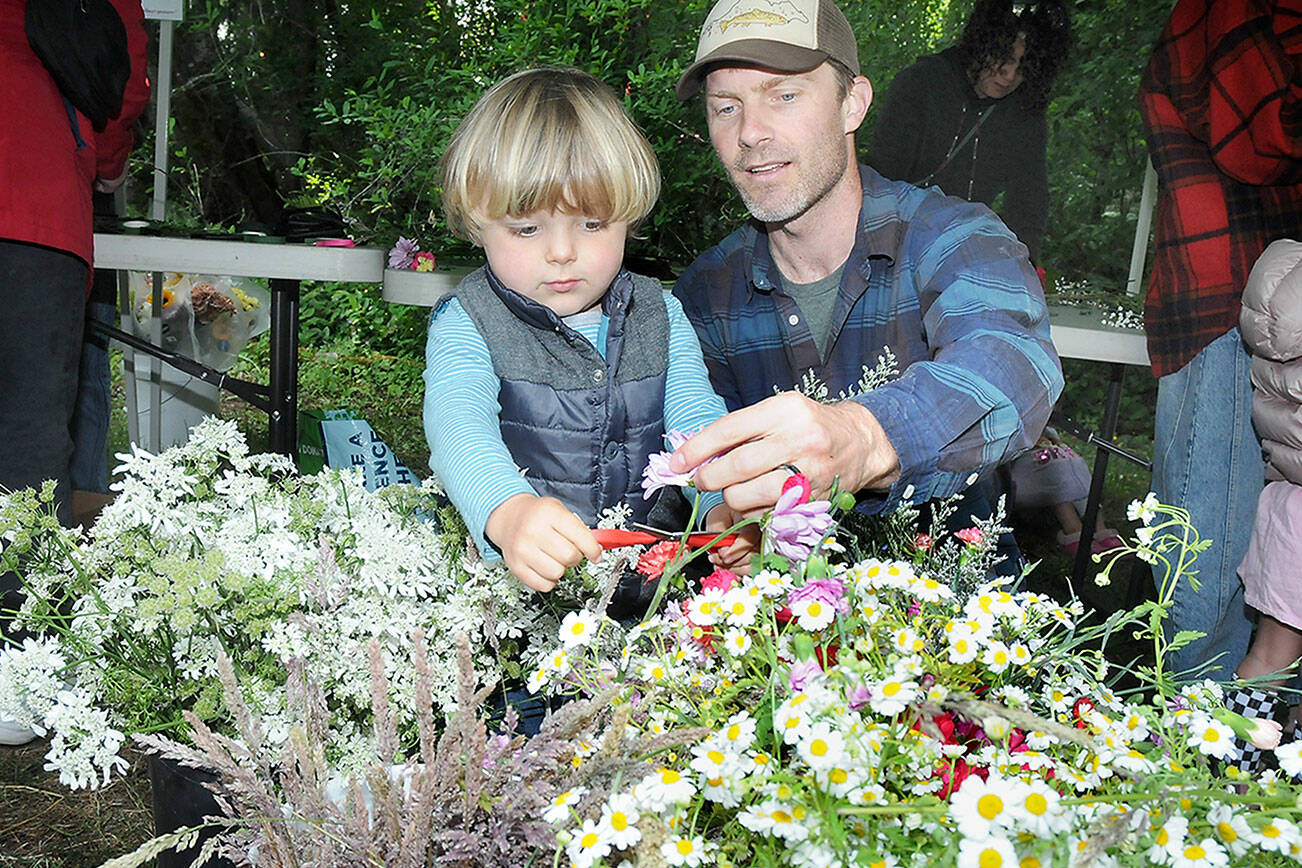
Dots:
{"x": 838, "y": 265}
{"x": 1223, "y": 117}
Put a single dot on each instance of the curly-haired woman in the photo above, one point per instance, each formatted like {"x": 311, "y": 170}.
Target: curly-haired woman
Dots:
{"x": 971, "y": 119}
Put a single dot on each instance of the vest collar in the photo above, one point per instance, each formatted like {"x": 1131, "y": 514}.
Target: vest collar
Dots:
{"x": 613, "y": 304}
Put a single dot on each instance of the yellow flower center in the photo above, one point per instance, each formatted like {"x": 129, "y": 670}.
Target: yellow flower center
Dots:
{"x": 1270, "y": 830}
{"x": 669, "y": 776}
{"x": 734, "y": 732}
{"x": 890, "y": 688}
{"x": 815, "y": 608}
{"x": 818, "y": 747}
{"x": 618, "y": 821}
{"x": 715, "y": 756}
{"x": 1227, "y": 833}
{"x": 990, "y": 858}
{"x": 838, "y": 776}
{"x": 1194, "y": 852}
{"x": 781, "y": 816}
{"x": 589, "y": 840}
{"x": 990, "y": 806}
{"x": 1037, "y": 804}
{"x": 685, "y": 846}
{"x": 578, "y": 628}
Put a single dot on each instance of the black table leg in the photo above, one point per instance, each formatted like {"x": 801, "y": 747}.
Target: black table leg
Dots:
{"x": 282, "y": 418}
{"x": 1080, "y": 568}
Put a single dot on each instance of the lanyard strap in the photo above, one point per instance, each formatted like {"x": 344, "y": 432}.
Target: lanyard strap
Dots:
{"x": 957, "y": 146}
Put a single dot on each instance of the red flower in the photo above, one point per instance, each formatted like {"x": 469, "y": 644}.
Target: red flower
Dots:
{"x": 800, "y": 481}
{"x": 923, "y": 542}
{"x": 970, "y": 535}
{"x": 653, "y": 560}
{"x": 719, "y": 580}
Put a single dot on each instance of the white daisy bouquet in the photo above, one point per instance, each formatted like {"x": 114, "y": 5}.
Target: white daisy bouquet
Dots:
{"x": 206, "y": 548}
{"x": 864, "y": 713}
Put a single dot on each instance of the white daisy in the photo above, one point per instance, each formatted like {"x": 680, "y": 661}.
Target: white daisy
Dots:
{"x": 560, "y": 808}
{"x": 619, "y": 817}
{"x": 984, "y": 808}
{"x": 822, "y": 747}
{"x": 1203, "y": 854}
{"x": 587, "y": 845}
{"x": 1210, "y": 736}
{"x": 986, "y": 853}
{"x": 686, "y": 851}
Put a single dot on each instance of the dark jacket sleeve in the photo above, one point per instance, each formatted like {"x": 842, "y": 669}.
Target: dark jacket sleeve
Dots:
{"x": 1025, "y": 208}
{"x": 897, "y": 136}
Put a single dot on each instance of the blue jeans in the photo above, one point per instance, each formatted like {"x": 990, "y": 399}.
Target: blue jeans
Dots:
{"x": 1207, "y": 460}
{"x": 90, "y": 421}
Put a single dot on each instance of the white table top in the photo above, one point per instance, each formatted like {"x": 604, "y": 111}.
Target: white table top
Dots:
{"x": 244, "y": 258}
{"x": 1078, "y": 334}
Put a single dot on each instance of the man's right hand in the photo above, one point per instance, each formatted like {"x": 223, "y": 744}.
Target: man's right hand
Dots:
{"x": 539, "y": 539}
{"x": 827, "y": 442}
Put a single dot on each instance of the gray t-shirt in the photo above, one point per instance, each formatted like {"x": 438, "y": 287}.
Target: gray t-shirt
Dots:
{"x": 816, "y": 301}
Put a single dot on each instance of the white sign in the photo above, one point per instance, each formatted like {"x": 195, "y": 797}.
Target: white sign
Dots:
{"x": 163, "y": 10}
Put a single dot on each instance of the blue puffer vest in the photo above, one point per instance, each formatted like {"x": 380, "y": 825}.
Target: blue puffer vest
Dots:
{"x": 581, "y": 427}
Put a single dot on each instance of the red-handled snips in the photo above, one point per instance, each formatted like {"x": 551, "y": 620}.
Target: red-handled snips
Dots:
{"x": 610, "y": 538}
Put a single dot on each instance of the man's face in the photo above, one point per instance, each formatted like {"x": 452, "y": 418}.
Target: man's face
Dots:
{"x": 782, "y": 137}
{"x": 1002, "y": 76}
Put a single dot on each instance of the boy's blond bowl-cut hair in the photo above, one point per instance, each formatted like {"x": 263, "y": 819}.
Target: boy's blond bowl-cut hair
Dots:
{"x": 547, "y": 139}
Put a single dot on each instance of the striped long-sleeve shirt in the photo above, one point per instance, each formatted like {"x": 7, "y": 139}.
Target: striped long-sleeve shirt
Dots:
{"x": 940, "y": 282}
{"x": 460, "y": 414}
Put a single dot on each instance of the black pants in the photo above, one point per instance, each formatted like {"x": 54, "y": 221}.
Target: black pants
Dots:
{"x": 42, "y": 308}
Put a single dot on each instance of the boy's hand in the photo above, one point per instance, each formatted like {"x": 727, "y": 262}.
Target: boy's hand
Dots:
{"x": 540, "y": 538}
{"x": 734, "y": 557}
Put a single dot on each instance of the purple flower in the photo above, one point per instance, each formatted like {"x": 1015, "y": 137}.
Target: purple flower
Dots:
{"x": 403, "y": 254}
{"x": 656, "y": 475}
{"x": 795, "y": 528}
{"x": 829, "y": 592}
{"x": 859, "y": 697}
{"x": 802, "y": 671}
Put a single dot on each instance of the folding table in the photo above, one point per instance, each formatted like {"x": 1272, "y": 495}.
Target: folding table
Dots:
{"x": 286, "y": 265}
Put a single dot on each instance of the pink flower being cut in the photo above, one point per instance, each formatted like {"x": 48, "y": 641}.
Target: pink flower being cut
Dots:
{"x": 795, "y": 528}
{"x": 829, "y": 592}
{"x": 801, "y": 482}
{"x": 403, "y": 254}
{"x": 719, "y": 580}
{"x": 657, "y": 473}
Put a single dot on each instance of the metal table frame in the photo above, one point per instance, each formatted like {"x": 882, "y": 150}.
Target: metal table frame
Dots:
{"x": 1079, "y": 334}
{"x": 286, "y": 265}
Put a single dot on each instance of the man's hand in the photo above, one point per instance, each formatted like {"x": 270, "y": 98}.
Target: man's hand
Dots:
{"x": 108, "y": 185}
{"x": 825, "y": 441}
{"x": 539, "y": 538}
{"x": 734, "y": 557}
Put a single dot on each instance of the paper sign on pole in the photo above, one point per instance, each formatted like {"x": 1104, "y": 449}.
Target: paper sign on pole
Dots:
{"x": 163, "y": 10}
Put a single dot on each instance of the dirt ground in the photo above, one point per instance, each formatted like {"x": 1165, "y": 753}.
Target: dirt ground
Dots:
{"x": 45, "y": 825}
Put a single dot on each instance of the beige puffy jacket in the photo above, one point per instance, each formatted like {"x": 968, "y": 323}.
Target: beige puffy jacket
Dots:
{"x": 1271, "y": 323}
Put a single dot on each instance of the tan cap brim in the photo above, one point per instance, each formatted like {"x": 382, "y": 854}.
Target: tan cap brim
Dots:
{"x": 761, "y": 53}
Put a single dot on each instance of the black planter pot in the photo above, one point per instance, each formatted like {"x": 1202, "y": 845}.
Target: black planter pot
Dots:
{"x": 180, "y": 800}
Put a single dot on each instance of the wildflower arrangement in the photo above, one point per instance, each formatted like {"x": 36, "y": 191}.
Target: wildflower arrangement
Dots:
{"x": 867, "y": 714}
{"x": 210, "y": 550}
{"x": 406, "y": 253}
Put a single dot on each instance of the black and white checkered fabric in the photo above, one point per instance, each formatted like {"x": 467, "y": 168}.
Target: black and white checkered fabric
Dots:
{"x": 1253, "y": 702}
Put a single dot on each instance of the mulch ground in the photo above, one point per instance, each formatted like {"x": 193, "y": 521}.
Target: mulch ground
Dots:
{"x": 45, "y": 825}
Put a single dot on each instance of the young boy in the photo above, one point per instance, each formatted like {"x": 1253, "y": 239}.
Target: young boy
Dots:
{"x": 553, "y": 373}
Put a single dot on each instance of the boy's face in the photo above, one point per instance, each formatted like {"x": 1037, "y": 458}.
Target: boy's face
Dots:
{"x": 563, "y": 261}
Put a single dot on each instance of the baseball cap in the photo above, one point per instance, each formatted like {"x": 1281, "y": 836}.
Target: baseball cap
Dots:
{"x": 782, "y": 35}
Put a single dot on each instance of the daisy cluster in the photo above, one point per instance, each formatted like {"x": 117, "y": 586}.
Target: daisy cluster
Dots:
{"x": 209, "y": 547}
{"x": 867, "y": 714}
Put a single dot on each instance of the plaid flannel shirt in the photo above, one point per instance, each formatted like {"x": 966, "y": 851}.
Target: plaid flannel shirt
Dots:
{"x": 941, "y": 283}
{"x": 1221, "y": 101}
